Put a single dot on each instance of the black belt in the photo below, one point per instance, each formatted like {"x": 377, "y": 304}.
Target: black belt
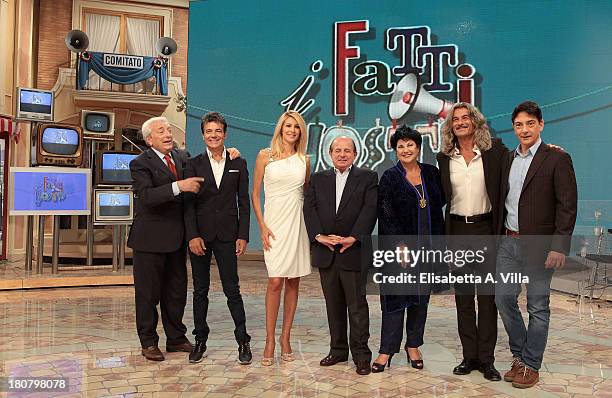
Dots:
{"x": 472, "y": 219}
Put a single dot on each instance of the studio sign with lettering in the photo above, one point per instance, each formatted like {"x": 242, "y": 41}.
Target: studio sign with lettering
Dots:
{"x": 123, "y": 61}
{"x": 424, "y": 69}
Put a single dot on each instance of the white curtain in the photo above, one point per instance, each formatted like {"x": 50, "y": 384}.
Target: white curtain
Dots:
{"x": 103, "y": 32}
{"x": 141, "y": 37}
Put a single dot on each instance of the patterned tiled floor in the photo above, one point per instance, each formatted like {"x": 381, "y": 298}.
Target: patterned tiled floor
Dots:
{"x": 88, "y": 335}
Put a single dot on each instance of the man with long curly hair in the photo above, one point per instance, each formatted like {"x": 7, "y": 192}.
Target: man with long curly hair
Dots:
{"x": 470, "y": 164}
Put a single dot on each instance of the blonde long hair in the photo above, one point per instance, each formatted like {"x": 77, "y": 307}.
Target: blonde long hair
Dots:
{"x": 482, "y": 136}
{"x": 277, "y": 139}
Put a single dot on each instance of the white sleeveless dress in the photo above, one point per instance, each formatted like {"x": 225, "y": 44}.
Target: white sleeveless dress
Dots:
{"x": 289, "y": 255}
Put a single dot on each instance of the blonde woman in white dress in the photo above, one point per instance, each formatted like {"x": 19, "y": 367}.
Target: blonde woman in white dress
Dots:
{"x": 284, "y": 170}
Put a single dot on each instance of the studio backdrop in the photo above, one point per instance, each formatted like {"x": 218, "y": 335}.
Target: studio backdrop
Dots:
{"x": 361, "y": 68}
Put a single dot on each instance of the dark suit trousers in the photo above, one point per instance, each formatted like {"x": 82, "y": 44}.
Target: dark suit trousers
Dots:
{"x": 342, "y": 290}
{"x": 160, "y": 278}
{"x": 227, "y": 263}
{"x": 478, "y": 335}
{"x": 393, "y": 325}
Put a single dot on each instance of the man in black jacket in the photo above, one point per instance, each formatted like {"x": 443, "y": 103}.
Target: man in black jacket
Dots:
{"x": 158, "y": 239}
{"x": 470, "y": 164}
{"x": 339, "y": 211}
{"x": 217, "y": 222}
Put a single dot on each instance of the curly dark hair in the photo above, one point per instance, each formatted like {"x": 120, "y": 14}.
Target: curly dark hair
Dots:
{"x": 406, "y": 133}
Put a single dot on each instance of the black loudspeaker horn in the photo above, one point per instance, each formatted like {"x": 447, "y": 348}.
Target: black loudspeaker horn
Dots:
{"x": 166, "y": 46}
{"x": 77, "y": 41}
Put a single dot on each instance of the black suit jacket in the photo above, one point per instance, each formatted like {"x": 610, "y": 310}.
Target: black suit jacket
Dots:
{"x": 158, "y": 220}
{"x": 549, "y": 197}
{"x": 492, "y": 161}
{"x": 356, "y": 215}
{"x": 218, "y": 213}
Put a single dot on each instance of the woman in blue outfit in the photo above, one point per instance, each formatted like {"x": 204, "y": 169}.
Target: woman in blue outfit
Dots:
{"x": 410, "y": 202}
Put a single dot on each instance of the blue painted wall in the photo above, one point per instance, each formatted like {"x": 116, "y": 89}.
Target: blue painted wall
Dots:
{"x": 245, "y": 57}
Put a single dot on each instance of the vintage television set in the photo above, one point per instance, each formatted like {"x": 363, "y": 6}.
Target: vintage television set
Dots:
{"x": 113, "y": 206}
{"x": 98, "y": 125}
{"x": 113, "y": 167}
{"x": 58, "y": 145}
{"x": 34, "y": 105}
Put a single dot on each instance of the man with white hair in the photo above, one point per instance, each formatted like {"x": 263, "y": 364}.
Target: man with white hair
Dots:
{"x": 157, "y": 238}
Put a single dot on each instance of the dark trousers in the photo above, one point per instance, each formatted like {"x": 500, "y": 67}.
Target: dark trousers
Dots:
{"x": 478, "y": 332}
{"x": 343, "y": 293}
{"x": 160, "y": 278}
{"x": 393, "y": 325}
{"x": 227, "y": 263}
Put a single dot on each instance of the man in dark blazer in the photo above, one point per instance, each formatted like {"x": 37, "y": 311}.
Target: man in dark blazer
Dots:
{"x": 540, "y": 206}
{"x": 470, "y": 164}
{"x": 340, "y": 211}
{"x": 217, "y": 222}
{"x": 157, "y": 238}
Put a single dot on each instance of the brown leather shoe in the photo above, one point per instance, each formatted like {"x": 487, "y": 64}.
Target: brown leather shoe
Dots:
{"x": 153, "y": 353}
{"x": 526, "y": 378}
{"x": 515, "y": 367}
{"x": 185, "y": 347}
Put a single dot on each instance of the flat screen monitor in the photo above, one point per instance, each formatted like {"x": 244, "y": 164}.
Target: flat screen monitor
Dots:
{"x": 113, "y": 168}
{"x": 49, "y": 191}
{"x": 98, "y": 125}
{"x": 113, "y": 206}
{"x": 59, "y": 145}
{"x": 34, "y": 105}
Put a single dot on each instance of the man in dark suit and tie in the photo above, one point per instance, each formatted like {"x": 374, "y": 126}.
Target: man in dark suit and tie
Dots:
{"x": 217, "y": 222}
{"x": 340, "y": 211}
{"x": 158, "y": 240}
{"x": 470, "y": 162}
{"x": 540, "y": 203}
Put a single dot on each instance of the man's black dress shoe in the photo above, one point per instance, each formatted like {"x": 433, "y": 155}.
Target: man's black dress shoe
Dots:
{"x": 332, "y": 360}
{"x": 466, "y": 366}
{"x": 363, "y": 367}
{"x": 244, "y": 354}
{"x": 153, "y": 353}
{"x": 198, "y": 352}
{"x": 489, "y": 372}
{"x": 185, "y": 347}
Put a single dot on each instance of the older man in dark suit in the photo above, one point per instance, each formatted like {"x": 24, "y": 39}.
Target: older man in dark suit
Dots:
{"x": 540, "y": 202}
{"x": 157, "y": 237}
{"x": 339, "y": 211}
{"x": 217, "y": 222}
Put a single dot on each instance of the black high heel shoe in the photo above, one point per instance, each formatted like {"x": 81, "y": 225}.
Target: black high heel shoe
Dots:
{"x": 415, "y": 363}
{"x": 378, "y": 368}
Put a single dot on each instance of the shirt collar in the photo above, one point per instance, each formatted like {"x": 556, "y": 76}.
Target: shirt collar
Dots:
{"x": 337, "y": 172}
{"x": 457, "y": 152}
{"x": 532, "y": 150}
{"x": 210, "y": 155}
{"x": 161, "y": 155}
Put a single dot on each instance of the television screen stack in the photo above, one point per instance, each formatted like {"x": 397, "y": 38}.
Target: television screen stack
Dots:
{"x": 113, "y": 198}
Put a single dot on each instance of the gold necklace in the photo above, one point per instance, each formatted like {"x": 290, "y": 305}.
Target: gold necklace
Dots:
{"x": 422, "y": 200}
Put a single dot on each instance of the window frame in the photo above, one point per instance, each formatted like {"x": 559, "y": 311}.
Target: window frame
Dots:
{"x": 123, "y": 15}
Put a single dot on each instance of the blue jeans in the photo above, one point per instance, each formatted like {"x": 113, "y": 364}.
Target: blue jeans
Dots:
{"x": 526, "y": 343}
